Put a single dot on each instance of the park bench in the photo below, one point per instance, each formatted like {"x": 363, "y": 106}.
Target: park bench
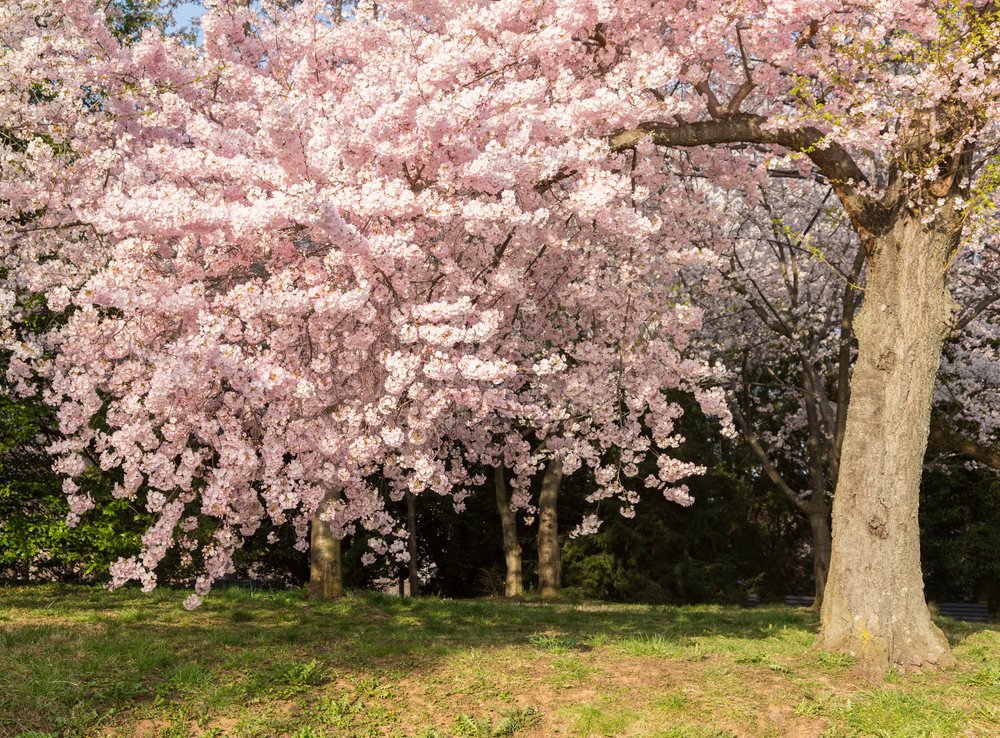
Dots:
{"x": 967, "y": 611}
{"x": 235, "y": 584}
{"x": 799, "y": 601}
{"x": 752, "y": 600}
{"x": 955, "y": 610}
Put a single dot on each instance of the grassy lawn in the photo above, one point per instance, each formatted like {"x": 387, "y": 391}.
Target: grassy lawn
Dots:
{"x": 77, "y": 661}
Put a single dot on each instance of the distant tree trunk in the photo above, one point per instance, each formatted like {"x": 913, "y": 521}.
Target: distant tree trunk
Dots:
{"x": 822, "y": 542}
{"x": 513, "y": 586}
{"x": 326, "y": 578}
{"x": 411, "y": 524}
{"x": 549, "y": 561}
{"x": 817, "y": 509}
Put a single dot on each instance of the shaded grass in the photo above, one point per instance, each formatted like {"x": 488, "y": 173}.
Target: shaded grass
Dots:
{"x": 79, "y": 661}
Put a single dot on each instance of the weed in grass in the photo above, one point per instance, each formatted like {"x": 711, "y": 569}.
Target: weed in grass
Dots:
{"x": 687, "y": 730}
{"x": 672, "y": 702}
{"x": 372, "y": 687}
{"x": 592, "y": 720}
{"x": 294, "y": 678}
{"x": 809, "y": 707}
{"x": 515, "y": 720}
{"x": 300, "y": 675}
{"x": 467, "y": 726}
{"x": 242, "y": 616}
{"x": 175, "y": 731}
{"x": 120, "y": 691}
{"x": 432, "y": 733}
{"x": 550, "y": 642}
{"x": 338, "y": 710}
{"x": 764, "y": 660}
{"x": 695, "y": 654}
{"x": 510, "y": 723}
{"x": 570, "y": 671}
{"x": 187, "y": 676}
{"x": 988, "y": 677}
{"x": 835, "y": 659}
{"x": 306, "y": 732}
{"x": 649, "y": 645}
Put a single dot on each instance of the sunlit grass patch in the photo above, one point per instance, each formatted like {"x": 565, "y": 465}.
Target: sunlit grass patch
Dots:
{"x": 884, "y": 712}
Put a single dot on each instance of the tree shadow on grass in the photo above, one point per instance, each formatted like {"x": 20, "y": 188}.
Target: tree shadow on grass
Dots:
{"x": 82, "y": 650}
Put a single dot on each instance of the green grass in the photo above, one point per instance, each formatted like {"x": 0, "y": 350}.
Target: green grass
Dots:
{"x": 81, "y": 662}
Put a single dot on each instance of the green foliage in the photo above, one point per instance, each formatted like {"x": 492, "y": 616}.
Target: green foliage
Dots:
{"x": 737, "y": 529}
{"x": 129, "y": 18}
{"x": 300, "y": 675}
{"x": 34, "y": 537}
{"x": 960, "y": 536}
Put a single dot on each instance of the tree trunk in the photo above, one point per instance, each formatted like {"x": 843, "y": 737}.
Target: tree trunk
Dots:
{"x": 326, "y": 579}
{"x": 874, "y": 605}
{"x": 817, "y": 509}
{"x": 549, "y": 561}
{"x": 819, "y": 522}
{"x": 513, "y": 586}
{"x": 411, "y": 523}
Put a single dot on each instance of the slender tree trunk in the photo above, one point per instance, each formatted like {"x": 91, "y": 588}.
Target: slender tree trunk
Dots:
{"x": 411, "y": 524}
{"x": 513, "y": 586}
{"x": 817, "y": 509}
{"x": 874, "y": 605}
{"x": 822, "y": 542}
{"x": 549, "y": 561}
{"x": 326, "y": 579}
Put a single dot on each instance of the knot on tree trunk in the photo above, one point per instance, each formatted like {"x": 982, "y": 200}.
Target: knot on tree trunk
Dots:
{"x": 886, "y": 360}
{"x": 876, "y": 525}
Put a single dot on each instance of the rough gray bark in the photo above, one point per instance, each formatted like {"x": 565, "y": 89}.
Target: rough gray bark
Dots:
{"x": 411, "y": 524}
{"x": 874, "y": 605}
{"x": 326, "y": 580}
{"x": 549, "y": 560}
{"x": 513, "y": 585}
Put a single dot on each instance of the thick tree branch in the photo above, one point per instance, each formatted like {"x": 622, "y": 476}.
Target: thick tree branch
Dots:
{"x": 868, "y": 215}
{"x": 944, "y": 440}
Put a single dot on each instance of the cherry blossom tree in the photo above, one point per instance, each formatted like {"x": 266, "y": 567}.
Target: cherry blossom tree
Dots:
{"x": 907, "y": 94}
{"x": 306, "y": 256}
{"x": 311, "y": 248}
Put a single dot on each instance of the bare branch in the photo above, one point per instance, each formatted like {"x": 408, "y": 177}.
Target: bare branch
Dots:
{"x": 761, "y": 453}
